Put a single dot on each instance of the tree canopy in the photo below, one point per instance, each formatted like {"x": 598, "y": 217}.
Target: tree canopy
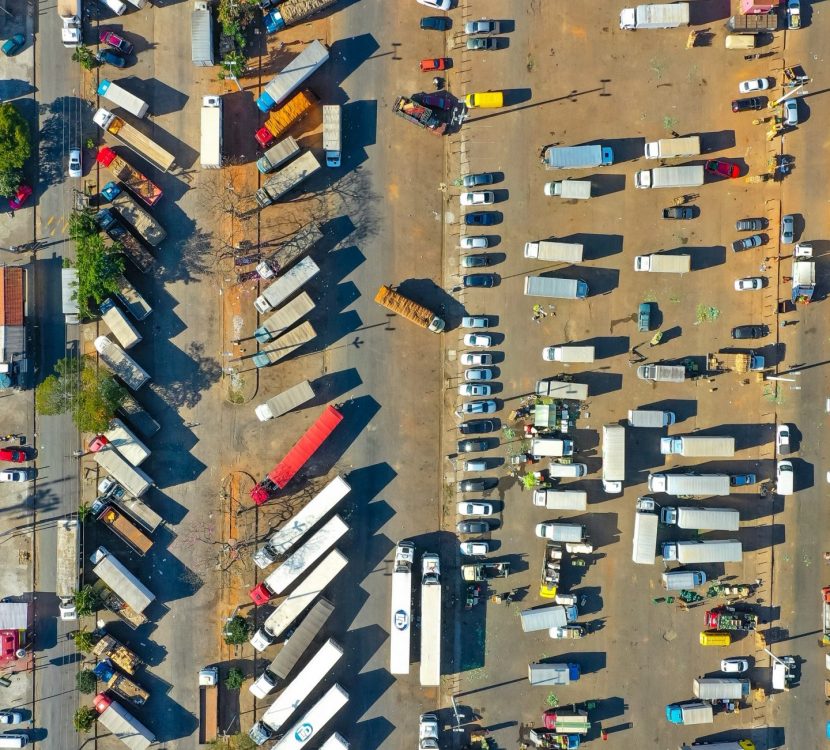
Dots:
{"x": 15, "y": 139}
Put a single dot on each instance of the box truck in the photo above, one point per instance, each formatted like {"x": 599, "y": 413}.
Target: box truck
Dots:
{"x": 568, "y": 354}
{"x": 710, "y": 551}
{"x": 672, "y": 148}
{"x": 705, "y": 519}
{"x": 211, "y": 132}
{"x": 657, "y": 16}
{"x": 644, "y": 548}
{"x": 662, "y": 373}
{"x": 691, "y": 485}
{"x": 561, "y": 252}
{"x": 201, "y": 35}
{"x": 578, "y": 157}
{"x": 613, "y": 457}
{"x": 553, "y": 447}
{"x": 696, "y": 712}
{"x": 120, "y": 97}
{"x": 650, "y": 418}
{"x": 575, "y": 189}
{"x": 698, "y": 446}
{"x": 332, "y": 134}
{"x": 661, "y": 263}
{"x": 670, "y": 177}
{"x": 552, "y": 286}
{"x": 560, "y": 499}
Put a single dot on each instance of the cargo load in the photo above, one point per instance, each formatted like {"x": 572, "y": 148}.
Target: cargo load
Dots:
{"x": 561, "y": 499}
{"x": 672, "y": 148}
{"x": 296, "y": 108}
{"x": 119, "y": 325}
{"x": 121, "y": 363}
{"x": 139, "y": 185}
{"x": 407, "y": 308}
{"x": 278, "y": 155}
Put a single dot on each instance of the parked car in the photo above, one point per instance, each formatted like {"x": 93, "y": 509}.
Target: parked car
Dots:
{"x": 734, "y": 665}
{"x": 750, "y": 225}
{"x": 474, "y": 359}
{"x": 749, "y": 284}
{"x": 75, "y": 168}
{"x": 791, "y": 112}
{"x": 472, "y": 527}
{"x": 472, "y": 446}
{"x": 483, "y": 280}
{"x": 787, "y": 229}
{"x": 13, "y": 45}
{"x": 434, "y": 63}
{"x": 11, "y": 717}
{"x": 478, "y": 374}
{"x": 480, "y": 218}
{"x": 14, "y": 455}
{"x": 782, "y": 440}
{"x": 741, "y": 480}
{"x": 753, "y": 84}
{"x": 679, "y": 212}
{"x": 437, "y": 4}
{"x": 17, "y": 475}
{"x": 475, "y": 321}
{"x": 484, "y": 406}
{"x": 475, "y": 261}
{"x": 474, "y": 509}
{"x": 116, "y": 41}
{"x": 722, "y": 168}
{"x": 747, "y": 243}
{"x": 21, "y": 195}
{"x": 482, "y": 26}
{"x": 481, "y": 178}
{"x": 644, "y": 317}
{"x": 473, "y": 389}
{"x": 473, "y": 243}
{"x": 482, "y": 43}
{"x": 435, "y": 101}
{"x": 753, "y": 103}
{"x": 482, "y": 198}
{"x": 477, "y": 485}
{"x": 477, "y": 339}
{"x": 477, "y": 426}
{"x": 435, "y": 23}
{"x": 750, "y": 332}
{"x": 474, "y": 549}
{"x": 110, "y": 57}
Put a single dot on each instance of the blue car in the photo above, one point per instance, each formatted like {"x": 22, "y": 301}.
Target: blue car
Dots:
{"x": 741, "y": 480}
{"x": 479, "y": 279}
{"x": 480, "y": 218}
{"x": 14, "y": 45}
{"x": 435, "y": 23}
{"x": 111, "y": 58}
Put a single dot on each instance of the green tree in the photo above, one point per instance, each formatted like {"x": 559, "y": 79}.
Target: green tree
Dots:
{"x": 84, "y": 718}
{"x": 86, "y": 681}
{"x": 237, "y": 630}
{"x": 234, "y": 65}
{"x": 9, "y": 180}
{"x": 234, "y": 679}
{"x": 84, "y": 512}
{"x": 85, "y": 57}
{"x": 84, "y": 641}
{"x": 99, "y": 271}
{"x": 91, "y": 395}
{"x": 87, "y": 601}
{"x": 15, "y": 139}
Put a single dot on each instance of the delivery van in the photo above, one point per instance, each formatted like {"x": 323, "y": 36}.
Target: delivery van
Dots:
{"x": 741, "y": 41}
{"x": 487, "y": 99}
{"x": 677, "y": 580}
{"x": 715, "y": 638}
{"x": 567, "y": 471}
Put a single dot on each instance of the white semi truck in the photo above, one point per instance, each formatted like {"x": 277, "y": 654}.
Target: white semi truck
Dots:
{"x": 690, "y": 175}
{"x": 121, "y": 363}
{"x": 689, "y": 485}
{"x": 401, "y": 619}
{"x": 332, "y": 134}
{"x": 68, "y": 566}
{"x": 284, "y": 402}
{"x": 286, "y": 285}
{"x": 120, "y": 580}
{"x": 662, "y": 263}
{"x": 613, "y": 457}
{"x": 211, "y": 132}
{"x": 430, "y": 620}
{"x": 656, "y": 16}
{"x": 705, "y": 519}
{"x": 710, "y": 551}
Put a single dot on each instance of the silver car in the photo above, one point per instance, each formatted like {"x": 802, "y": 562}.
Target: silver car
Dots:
{"x": 473, "y": 243}
{"x": 472, "y": 359}
{"x": 478, "y": 374}
{"x": 787, "y": 229}
{"x": 484, "y": 406}
{"x": 475, "y": 321}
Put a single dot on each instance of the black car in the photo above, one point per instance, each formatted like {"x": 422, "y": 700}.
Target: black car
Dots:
{"x": 472, "y": 527}
{"x": 477, "y": 426}
{"x": 750, "y": 332}
{"x": 435, "y": 23}
{"x": 483, "y": 42}
{"x": 486, "y": 280}
{"x": 111, "y": 57}
{"x": 477, "y": 485}
{"x": 747, "y": 243}
{"x": 481, "y": 178}
{"x": 475, "y": 261}
{"x": 472, "y": 446}
{"x": 679, "y": 212}
{"x": 480, "y": 219}
{"x": 747, "y": 105}
{"x": 750, "y": 225}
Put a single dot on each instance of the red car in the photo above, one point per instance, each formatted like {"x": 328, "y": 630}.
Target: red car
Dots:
{"x": 434, "y": 63}
{"x": 13, "y": 455}
{"x": 723, "y": 168}
{"x": 111, "y": 39}
{"x": 264, "y": 137}
{"x": 21, "y": 195}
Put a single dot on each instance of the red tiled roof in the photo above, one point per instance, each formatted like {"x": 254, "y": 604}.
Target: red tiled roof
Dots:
{"x": 11, "y": 296}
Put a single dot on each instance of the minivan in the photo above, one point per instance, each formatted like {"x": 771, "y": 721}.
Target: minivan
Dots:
{"x": 488, "y": 99}
{"x": 741, "y": 41}
{"x": 13, "y": 740}
{"x": 715, "y": 638}
{"x": 677, "y": 580}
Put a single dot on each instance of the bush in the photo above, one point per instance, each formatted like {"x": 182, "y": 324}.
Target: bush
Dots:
{"x": 236, "y": 631}
{"x": 87, "y": 601}
{"x": 84, "y": 718}
{"x": 86, "y": 681}
{"x": 84, "y": 641}
{"x": 84, "y": 56}
{"x": 15, "y": 140}
{"x": 234, "y": 679}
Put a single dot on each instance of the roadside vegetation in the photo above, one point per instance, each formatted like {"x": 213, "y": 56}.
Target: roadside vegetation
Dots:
{"x": 15, "y": 147}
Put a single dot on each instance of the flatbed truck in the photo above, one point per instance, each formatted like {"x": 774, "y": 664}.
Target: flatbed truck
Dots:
{"x": 134, "y": 480}
{"x": 419, "y": 114}
{"x": 143, "y": 188}
{"x": 283, "y": 346}
{"x": 135, "y": 139}
{"x": 332, "y": 134}
{"x": 68, "y": 566}
{"x": 126, "y": 530}
{"x": 120, "y": 684}
{"x": 108, "y": 647}
{"x": 208, "y": 705}
{"x": 406, "y": 308}
{"x": 114, "y": 227}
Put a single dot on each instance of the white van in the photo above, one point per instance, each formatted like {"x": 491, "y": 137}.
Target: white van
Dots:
{"x": 568, "y": 354}
{"x": 116, "y": 6}
{"x": 785, "y": 478}
{"x": 13, "y": 740}
{"x": 677, "y": 580}
{"x": 567, "y": 471}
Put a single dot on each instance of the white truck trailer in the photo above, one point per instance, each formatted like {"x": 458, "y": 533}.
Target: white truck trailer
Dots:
{"x": 121, "y": 363}
{"x": 673, "y": 148}
{"x": 548, "y": 250}
{"x": 69, "y": 296}
{"x": 698, "y": 446}
{"x": 122, "y": 724}
{"x": 113, "y": 573}
{"x": 283, "y": 318}
{"x": 401, "y": 620}
{"x": 320, "y": 505}
{"x": 314, "y": 721}
{"x": 68, "y": 566}
{"x": 134, "y": 480}
{"x": 569, "y": 354}
{"x": 644, "y": 547}
{"x": 120, "y": 437}
{"x": 284, "y": 402}
{"x": 201, "y": 35}
{"x": 690, "y": 175}
{"x": 613, "y": 457}
{"x": 705, "y": 519}
{"x": 573, "y": 189}
{"x": 558, "y": 288}
{"x": 650, "y": 418}
{"x": 292, "y": 76}
{"x": 332, "y": 134}
{"x": 299, "y": 600}
{"x": 286, "y": 285}
{"x": 561, "y": 499}
{"x": 663, "y": 263}
{"x": 120, "y": 97}
{"x": 119, "y": 325}
{"x": 430, "y": 620}
{"x": 710, "y": 551}
{"x": 282, "y": 347}
{"x": 662, "y": 373}
{"x": 657, "y": 16}
{"x": 563, "y": 389}
{"x": 210, "y": 153}
{"x": 689, "y": 485}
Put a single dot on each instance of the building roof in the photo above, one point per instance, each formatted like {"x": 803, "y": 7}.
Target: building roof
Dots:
{"x": 11, "y": 295}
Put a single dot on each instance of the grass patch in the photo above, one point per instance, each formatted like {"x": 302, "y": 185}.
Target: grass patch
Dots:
{"x": 706, "y": 314}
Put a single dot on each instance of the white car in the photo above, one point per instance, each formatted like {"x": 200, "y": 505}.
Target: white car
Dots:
{"x": 11, "y": 717}
{"x": 782, "y": 439}
{"x": 734, "y": 665}
{"x": 754, "y": 84}
{"x": 478, "y": 339}
{"x": 437, "y": 4}
{"x": 476, "y": 464}
{"x": 474, "y": 549}
{"x": 466, "y": 508}
{"x": 791, "y": 112}
{"x": 17, "y": 475}
{"x": 473, "y": 243}
{"x": 475, "y": 321}
{"x": 75, "y": 169}
{"x": 484, "y": 198}
{"x": 468, "y": 389}
{"x": 471, "y": 359}
{"x": 749, "y": 284}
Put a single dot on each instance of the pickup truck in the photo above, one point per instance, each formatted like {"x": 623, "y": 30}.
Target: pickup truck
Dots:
{"x": 485, "y": 571}
{"x": 568, "y": 631}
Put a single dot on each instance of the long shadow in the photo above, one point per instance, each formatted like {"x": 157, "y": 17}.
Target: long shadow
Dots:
{"x": 717, "y": 140}
{"x": 600, "y": 383}
{"x": 333, "y": 385}
{"x": 572, "y": 96}
{"x": 606, "y": 184}
{"x": 707, "y": 257}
